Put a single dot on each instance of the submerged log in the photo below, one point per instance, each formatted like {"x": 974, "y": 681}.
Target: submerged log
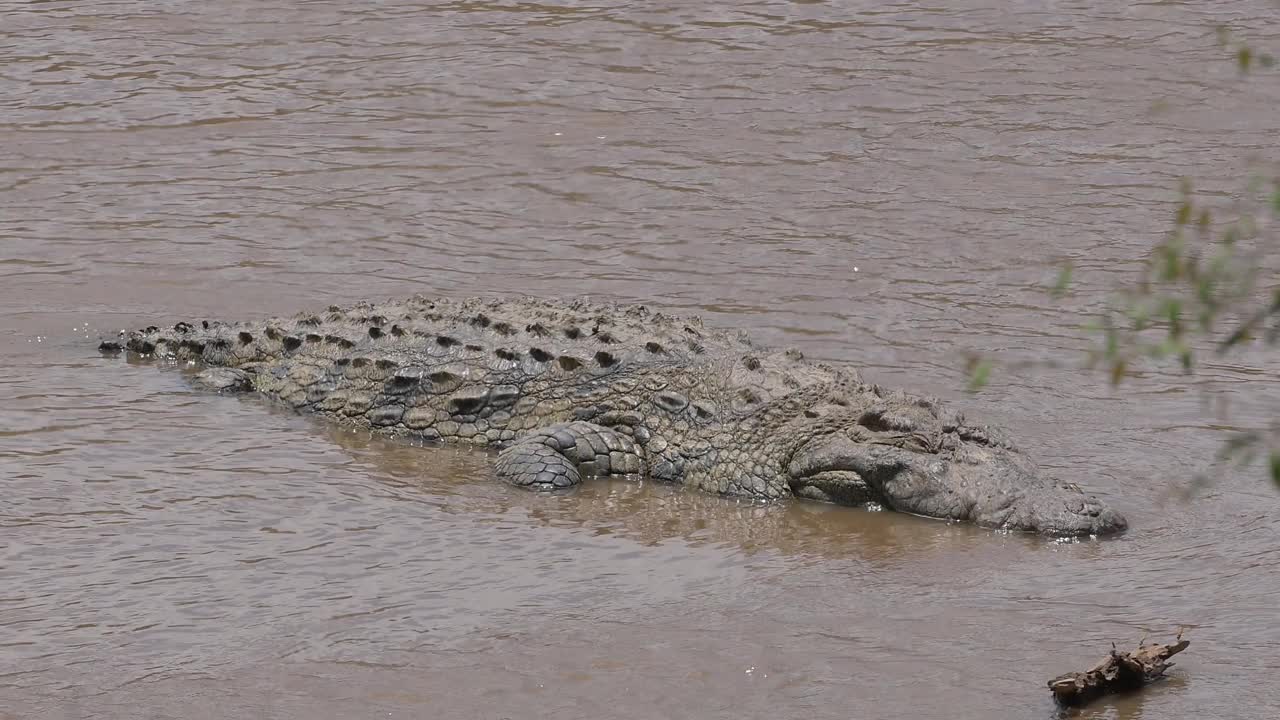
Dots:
{"x": 1118, "y": 672}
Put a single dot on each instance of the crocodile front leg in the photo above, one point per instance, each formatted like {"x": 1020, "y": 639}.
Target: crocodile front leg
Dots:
{"x": 559, "y": 456}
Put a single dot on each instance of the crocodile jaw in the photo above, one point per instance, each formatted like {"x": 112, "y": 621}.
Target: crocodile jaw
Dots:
{"x": 989, "y": 486}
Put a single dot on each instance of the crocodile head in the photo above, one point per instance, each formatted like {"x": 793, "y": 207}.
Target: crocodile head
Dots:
{"x": 982, "y": 483}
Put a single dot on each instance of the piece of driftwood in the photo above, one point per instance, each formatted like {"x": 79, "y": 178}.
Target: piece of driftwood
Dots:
{"x": 1118, "y": 672}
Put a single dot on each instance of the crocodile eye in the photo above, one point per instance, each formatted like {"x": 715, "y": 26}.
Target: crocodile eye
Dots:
{"x": 671, "y": 401}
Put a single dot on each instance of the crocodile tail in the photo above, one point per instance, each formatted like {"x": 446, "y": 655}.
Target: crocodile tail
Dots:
{"x": 213, "y": 344}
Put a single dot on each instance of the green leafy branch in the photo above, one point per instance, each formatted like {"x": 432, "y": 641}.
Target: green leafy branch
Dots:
{"x": 1198, "y": 292}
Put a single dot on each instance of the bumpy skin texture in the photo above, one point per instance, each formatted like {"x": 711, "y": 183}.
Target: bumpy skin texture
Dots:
{"x": 567, "y": 390}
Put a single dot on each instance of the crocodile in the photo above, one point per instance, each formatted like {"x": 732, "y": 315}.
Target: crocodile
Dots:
{"x": 567, "y": 390}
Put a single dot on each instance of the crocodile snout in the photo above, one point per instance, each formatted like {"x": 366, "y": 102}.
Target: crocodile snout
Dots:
{"x": 990, "y": 486}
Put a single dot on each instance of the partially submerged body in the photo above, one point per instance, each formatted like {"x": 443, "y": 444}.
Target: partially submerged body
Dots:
{"x": 571, "y": 390}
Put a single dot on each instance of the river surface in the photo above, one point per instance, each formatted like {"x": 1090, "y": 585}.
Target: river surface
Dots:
{"x": 885, "y": 184}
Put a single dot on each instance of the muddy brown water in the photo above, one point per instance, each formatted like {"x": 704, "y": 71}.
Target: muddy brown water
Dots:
{"x": 884, "y": 184}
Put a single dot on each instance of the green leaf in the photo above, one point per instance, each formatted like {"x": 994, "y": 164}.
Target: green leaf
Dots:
{"x": 1244, "y": 58}
{"x": 1249, "y": 226}
{"x": 1218, "y": 265}
{"x": 1172, "y": 310}
{"x": 1237, "y": 442}
{"x": 1206, "y": 318}
{"x": 1169, "y": 260}
{"x": 1118, "y": 369}
{"x": 1275, "y": 467}
{"x": 1240, "y": 449}
{"x": 1140, "y": 314}
{"x": 1204, "y": 289}
{"x": 979, "y": 374}
{"x": 1184, "y": 213}
{"x": 1063, "y": 281}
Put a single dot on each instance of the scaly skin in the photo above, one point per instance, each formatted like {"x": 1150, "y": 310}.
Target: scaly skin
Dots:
{"x": 567, "y": 390}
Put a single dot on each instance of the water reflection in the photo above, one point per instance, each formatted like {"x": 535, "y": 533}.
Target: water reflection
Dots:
{"x": 652, "y": 513}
